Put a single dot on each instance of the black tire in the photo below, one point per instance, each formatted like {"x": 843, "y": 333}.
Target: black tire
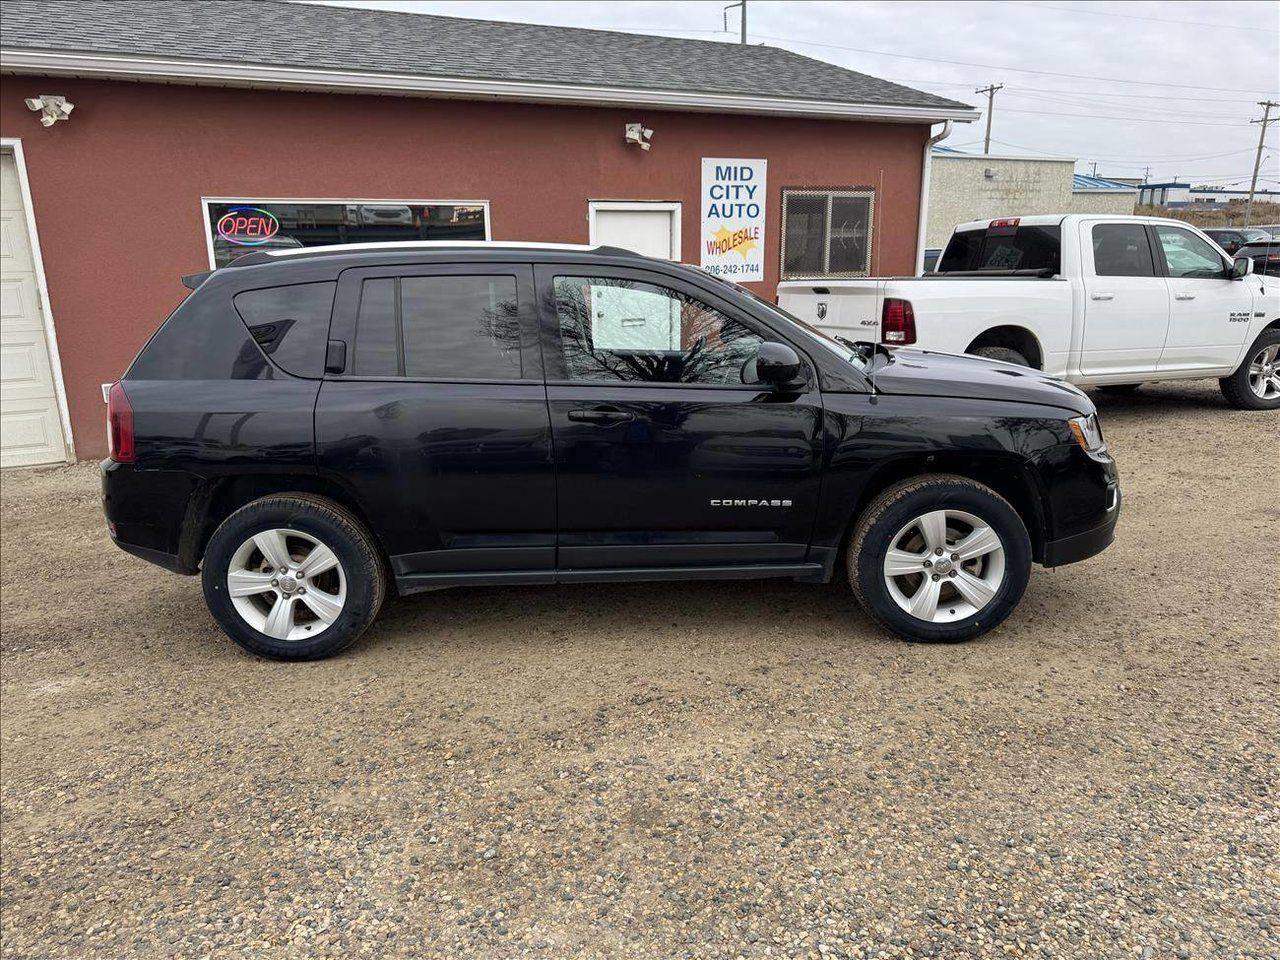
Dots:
{"x": 331, "y": 525}
{"x": 1236, "y": 387}
{"x": 1003, "y": 354}
{"x": 898, "y": 506}
{"x": 1120, "y": 388}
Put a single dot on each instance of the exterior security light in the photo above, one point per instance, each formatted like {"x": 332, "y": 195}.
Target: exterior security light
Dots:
{"x": 639, "y": 134}
{"x": 51, "y": 108}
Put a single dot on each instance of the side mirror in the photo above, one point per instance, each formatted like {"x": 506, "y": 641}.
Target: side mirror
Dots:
{"x": 1241, "y": 267}
{"x": 777, "y": 364}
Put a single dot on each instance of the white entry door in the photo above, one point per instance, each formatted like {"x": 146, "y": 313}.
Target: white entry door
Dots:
{"x": 30, "y": 422}
{"x": 650, "y": 228}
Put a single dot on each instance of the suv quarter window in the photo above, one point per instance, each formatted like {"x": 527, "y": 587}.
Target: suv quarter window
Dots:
{"x": 1122, "y": 250}
{"x": 1189, "y": 256}
{"x": 290, "y": 324}
{"x": 621, "y": 329}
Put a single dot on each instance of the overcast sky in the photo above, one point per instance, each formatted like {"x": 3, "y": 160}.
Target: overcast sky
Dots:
{"x": 1125, "y": 84}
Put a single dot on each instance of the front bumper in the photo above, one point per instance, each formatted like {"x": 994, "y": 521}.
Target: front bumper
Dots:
{"x": 1081, "y": 546}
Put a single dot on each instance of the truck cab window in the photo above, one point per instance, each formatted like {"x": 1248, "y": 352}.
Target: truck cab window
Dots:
{"x": 1122, "y": 250}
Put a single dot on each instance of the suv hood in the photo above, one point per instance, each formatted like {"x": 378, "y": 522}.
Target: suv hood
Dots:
{"x": 929, "y": 374}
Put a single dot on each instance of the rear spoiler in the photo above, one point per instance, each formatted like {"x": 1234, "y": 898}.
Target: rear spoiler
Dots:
{"x": 193, "y": 280}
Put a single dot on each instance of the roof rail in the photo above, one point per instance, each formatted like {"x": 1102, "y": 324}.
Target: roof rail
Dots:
{"x": 277, "y": 256}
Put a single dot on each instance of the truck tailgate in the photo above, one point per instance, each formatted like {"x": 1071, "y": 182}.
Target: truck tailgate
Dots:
{"x": 849, "y": 309}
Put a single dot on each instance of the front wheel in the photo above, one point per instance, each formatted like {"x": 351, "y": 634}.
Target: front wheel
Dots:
{"x": 293, "y": 577}
{"x": 939, "y": 559}
{"x": 1256, "y": 383}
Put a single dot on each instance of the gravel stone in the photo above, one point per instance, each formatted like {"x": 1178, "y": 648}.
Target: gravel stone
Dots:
{"x": 689, "y": 770}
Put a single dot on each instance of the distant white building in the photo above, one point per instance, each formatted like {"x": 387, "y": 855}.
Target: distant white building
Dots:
{"x": 975, "y": 186}
{"x": 1176, "y": 193}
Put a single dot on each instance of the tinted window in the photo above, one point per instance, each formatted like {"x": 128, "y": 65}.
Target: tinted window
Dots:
{"x": 460, "y": 327}
{"x": 290, "y": 324}
{"x": 377, "y": 352}
{"x": 445, "y": 328}
{"x": 613, "y": 329}
{"x": 1027, "y": 248}
{"x": 961, "y": 251}
{"x": 1122, "y": 250}
{"x": 1188, "y": 255}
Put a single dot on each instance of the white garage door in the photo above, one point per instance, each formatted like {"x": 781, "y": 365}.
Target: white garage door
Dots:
{"x": 652, "y": 229}
{"x": 30, "y": 425}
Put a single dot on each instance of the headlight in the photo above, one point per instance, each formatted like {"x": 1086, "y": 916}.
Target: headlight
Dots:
{"x": 1087, "y": 432}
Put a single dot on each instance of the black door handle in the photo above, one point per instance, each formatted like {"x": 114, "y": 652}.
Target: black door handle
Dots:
{"x": 604, "y": 415}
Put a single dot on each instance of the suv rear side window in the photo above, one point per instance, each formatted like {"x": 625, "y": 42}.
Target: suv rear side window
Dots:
{"x": 290, "y": 324}
{"x": 1122, "y": 250}
{"x": 1027, "y": 248}
{"x": 438, "y": 328}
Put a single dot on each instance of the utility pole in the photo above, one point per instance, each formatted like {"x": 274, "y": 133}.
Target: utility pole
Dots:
{"x": 1266, "y": 106}
{"x": 1093, "y": 168}
{"x": 725, "y": 16}
{"x": 1146, "y": 173}
{"x": 991, "y": 95}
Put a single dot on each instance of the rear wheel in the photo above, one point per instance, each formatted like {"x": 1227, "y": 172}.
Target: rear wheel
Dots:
{"x": 293, "y": 577}
{"x": 1003, "y": 354}
{"x": 939, "y": 559}
{"x": 1256, "y": 383}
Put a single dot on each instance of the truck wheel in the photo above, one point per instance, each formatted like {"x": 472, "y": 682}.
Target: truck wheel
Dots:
{"x": 1003, "y": 354}
{"x": 939, "y": 559}
{"x": 1256, "y": 383}
{"x": 293, "y": 577}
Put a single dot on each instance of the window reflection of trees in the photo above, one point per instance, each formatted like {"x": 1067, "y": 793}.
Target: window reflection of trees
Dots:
{"x": 713, "y": 347}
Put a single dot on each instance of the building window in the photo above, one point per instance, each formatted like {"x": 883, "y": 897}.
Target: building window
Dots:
{"x": 237, "y": 227}
{"x": 827, "y": 233}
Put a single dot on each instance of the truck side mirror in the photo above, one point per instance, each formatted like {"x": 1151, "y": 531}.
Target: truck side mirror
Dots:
{"x": 1241, "y": 267}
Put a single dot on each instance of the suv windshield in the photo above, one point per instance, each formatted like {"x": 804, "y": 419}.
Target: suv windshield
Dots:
{"x": 843, "y": 351}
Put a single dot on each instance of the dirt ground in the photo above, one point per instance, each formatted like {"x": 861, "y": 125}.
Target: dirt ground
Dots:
{"x": 659, "y": 770}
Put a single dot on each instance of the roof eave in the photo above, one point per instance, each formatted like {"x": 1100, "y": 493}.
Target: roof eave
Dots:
{"x": 204, "y": 72}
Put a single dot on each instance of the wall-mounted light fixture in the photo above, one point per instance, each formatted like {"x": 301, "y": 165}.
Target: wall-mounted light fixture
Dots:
{"x": 51, "y": 108}
{"x": 639, "y": 134}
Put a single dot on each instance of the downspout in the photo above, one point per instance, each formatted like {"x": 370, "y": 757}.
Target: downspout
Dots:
{"x": 925, "y": 175}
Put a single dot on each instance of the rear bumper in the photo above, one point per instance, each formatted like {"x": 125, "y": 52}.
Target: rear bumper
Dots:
{"x": 1081, "y": 546}
{"x": 145, "y": 513}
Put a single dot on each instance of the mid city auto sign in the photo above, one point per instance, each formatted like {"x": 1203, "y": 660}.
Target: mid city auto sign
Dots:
{"x": 733, "y": 203}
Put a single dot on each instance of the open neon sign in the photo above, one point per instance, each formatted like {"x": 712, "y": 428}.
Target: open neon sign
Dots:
{"x": 247, "y": 226}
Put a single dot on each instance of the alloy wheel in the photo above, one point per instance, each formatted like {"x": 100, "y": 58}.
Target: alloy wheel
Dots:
{"x": 286, "y": 584}
{"x": 1264, "y": 373}
{"x": 944, "y": 566}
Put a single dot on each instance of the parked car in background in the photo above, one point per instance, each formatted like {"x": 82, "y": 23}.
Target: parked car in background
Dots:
{"x": 312, "y": 429}
{"x": 1265, "y": 255}
{"x": 1096, "y": 300}
{"x": 1271, "y": 229}
{"x": 1232, "y": 239}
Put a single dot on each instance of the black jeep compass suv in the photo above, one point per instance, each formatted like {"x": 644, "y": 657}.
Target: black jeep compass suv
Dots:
{"x": 311, "y": 429}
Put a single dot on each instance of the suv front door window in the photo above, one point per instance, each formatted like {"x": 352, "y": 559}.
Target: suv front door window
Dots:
{"x": 664, "y": 455}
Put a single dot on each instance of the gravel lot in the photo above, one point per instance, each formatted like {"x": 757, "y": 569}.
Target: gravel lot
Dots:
{"x": 658, "y": 770}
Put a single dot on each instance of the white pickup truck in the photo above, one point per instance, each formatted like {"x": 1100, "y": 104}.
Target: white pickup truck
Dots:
{"x": 1095, "y": 300}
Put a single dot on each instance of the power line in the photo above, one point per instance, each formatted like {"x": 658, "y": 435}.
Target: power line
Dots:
{"x": 997, "y": 66}
{"x": 1102, "y": 116}
{"x": 1143, "y": 158}
{"x": 1077, "y": 93}
{"x": 1127, "y": 16}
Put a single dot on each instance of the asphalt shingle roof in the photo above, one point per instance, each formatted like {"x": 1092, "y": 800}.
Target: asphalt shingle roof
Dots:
{"x": 276, "y": 33}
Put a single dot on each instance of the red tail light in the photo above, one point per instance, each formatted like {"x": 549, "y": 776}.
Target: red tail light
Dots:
{"x": 897, "y": 322}
{"x": 1006, "y": 222}
{"x": 119, "y": 425}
